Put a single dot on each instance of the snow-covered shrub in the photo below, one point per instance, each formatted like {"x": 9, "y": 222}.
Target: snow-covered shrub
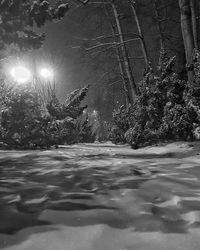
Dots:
{"x": 21, "y": 118}
{"x": 121, "y": 123}
{"x": 84, "y": 129}
{"x": 166, "y": 107}
{"x": 24, "y": 124}
{"x": 196, "y": 133}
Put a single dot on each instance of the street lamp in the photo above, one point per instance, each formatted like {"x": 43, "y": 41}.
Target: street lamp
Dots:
{"x": 47, "y": 80}
{"x": 20, "y": 74}
{"x": 42, "y": 81}
{"x": 46, "y": 73}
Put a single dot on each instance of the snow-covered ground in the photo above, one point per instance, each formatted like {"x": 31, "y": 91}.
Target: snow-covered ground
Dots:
{"x": 101, "y": 197}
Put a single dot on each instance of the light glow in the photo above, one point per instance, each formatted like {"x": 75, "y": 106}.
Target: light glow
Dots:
{"x": 46, "y": 73}
{"x": 20, "y": 74}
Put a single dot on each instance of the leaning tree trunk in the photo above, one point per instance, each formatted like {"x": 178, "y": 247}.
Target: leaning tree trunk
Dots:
{"x": 159, "y": 25}
{"x": 140, "y": 33}
{"x": 198, "y": 21}
{"x": 115, "y": 36}
{"x": 122, "y": 73}
{"x": 125, "y": 82}
{"x": 194, "y": 22}
{"x": 126, "y": 61}
{"x": 187, "y": 32}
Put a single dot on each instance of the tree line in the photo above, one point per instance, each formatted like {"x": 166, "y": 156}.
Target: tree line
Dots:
{"x": 174, "y": 27}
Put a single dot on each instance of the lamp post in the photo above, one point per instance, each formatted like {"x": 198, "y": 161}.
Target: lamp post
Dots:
{"x": 47, "y": 75}
{"x": 21, "y": 74}
{"x": 42, "y": 80}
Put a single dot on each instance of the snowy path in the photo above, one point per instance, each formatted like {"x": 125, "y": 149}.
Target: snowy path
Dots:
{"x": 100, "y": 197}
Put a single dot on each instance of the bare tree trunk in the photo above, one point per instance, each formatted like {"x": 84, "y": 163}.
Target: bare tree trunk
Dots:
{"x": 140, "y": 33}
{"x": 126, "y": 61}
{"x": 122, "y": 71}
{"x": 198, "y": 22}
{"x": 187, "y": 33}
{"x": 124, "y": 79}
{"x": 194, "y": 22}
{"x": 120, "y": 60}
{"x": 159, "y": 25}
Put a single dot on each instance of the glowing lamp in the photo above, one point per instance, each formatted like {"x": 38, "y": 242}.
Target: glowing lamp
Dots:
{"x": 46, "y": 73}
{"x": 20, "y": 74}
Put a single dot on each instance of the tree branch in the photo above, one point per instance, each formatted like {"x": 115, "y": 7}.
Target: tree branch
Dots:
{"x": 83, "y": 1}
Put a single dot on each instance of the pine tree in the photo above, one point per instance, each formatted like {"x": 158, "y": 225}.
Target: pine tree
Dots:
{"x": 19, "y": 18}
{"x": 71, "y": 107}
{"x": 166, "y": 108}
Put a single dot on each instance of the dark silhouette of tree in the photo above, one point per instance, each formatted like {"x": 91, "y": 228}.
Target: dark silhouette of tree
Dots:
{"x": 188, "y": 16}
{"x": 187, "y": 32}
{"x": 19, "y": 20}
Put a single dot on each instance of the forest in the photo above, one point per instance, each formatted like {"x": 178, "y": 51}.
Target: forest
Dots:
{"x": 143, "y": 63}
{"x": 99, "y": 124}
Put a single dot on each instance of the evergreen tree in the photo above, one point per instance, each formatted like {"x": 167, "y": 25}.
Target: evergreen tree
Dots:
{"x": 23, "y": 124}
{"x": 19, "y": 18}
{"x": 166, "y": 107}
{"x": 71, "y": 107}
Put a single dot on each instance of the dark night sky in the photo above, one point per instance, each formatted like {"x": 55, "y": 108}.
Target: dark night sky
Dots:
{"x": 70, "y": 68}
{"x": 73, "y": 67}
{"x": 76, "y": 68}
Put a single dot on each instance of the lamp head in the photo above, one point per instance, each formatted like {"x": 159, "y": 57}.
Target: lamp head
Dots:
{"x": 46, "y": 73}
{"x": 20, "y": 74}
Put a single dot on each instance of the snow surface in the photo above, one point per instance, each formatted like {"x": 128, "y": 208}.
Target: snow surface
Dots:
{"x": 101, "y": 197}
